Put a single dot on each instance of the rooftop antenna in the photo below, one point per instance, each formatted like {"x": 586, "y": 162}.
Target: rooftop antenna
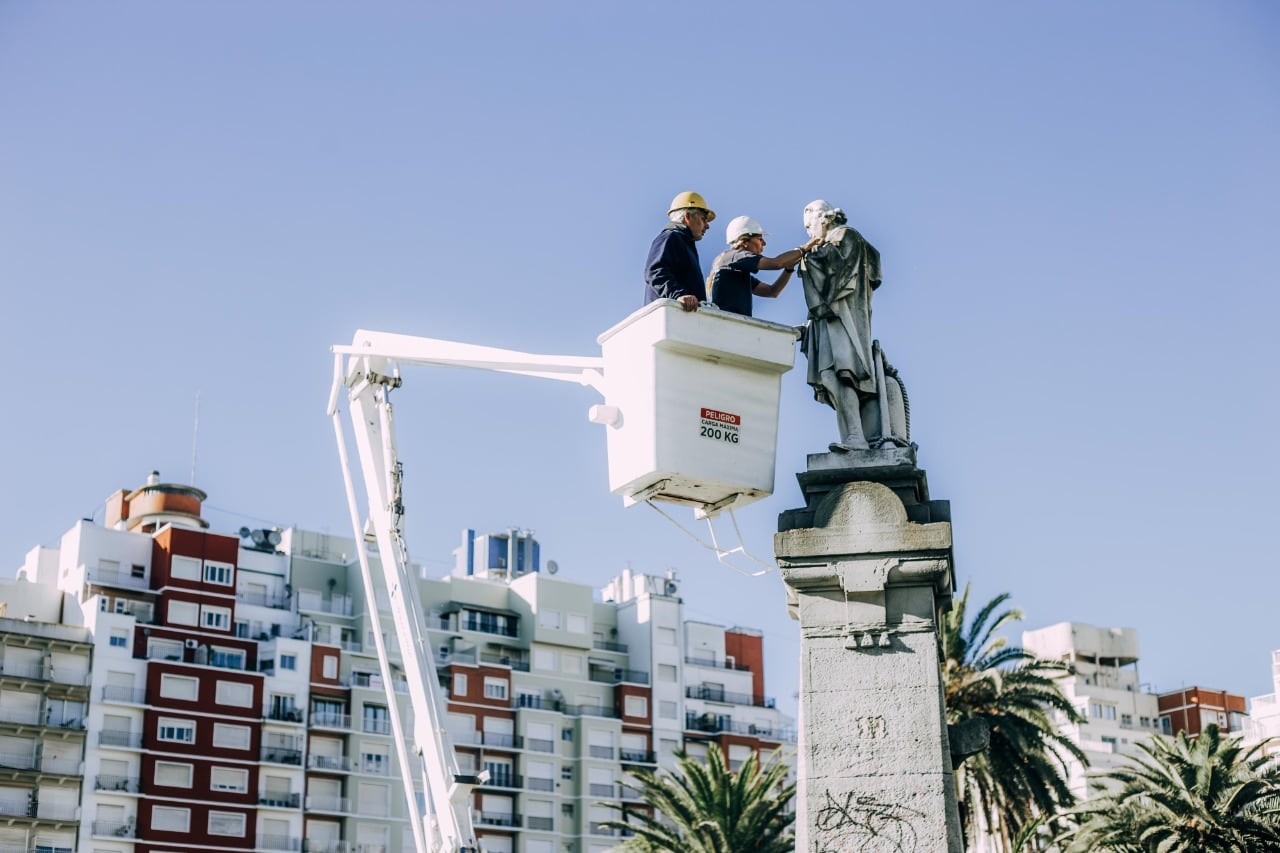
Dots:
{"x": 195, "y": 440}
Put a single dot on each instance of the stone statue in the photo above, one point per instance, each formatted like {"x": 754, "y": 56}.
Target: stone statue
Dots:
{"x": 846, "y": 367}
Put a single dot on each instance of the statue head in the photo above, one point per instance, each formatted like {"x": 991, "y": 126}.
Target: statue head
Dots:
{"x": 819, "y": 216}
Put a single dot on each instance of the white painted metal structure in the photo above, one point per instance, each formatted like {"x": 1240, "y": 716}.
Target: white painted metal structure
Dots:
{"x": 692, "y": 402}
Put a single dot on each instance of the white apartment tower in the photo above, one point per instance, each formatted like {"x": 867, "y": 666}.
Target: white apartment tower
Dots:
{"x": 1105, "y": 690}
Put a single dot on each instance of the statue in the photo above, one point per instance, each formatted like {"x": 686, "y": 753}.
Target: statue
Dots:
{"x": 846, "y": 367}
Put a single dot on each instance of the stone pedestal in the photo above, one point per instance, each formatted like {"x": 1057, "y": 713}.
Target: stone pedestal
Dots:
{"x": 868, "y": 568}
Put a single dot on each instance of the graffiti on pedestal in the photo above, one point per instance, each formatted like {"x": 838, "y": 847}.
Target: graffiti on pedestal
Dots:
{"x": 861, "y": 822}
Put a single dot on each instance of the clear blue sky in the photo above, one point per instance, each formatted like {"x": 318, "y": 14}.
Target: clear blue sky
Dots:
{"x": 1075, "y": 203}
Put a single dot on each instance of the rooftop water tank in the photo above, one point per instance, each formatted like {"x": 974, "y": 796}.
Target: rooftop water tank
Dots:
{"x": 692, "y": 404}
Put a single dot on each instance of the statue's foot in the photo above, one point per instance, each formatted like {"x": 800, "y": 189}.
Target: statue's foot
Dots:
{"x": 848, "y": 443}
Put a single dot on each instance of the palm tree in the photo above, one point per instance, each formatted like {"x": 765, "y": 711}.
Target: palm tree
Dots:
{"x": 710, "y": 809}
{"x": 1208, "y": 795}
{"x": 1021, "y": 775}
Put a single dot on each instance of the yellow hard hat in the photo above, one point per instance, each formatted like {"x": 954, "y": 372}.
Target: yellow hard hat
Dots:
{"x": 691, "y": 199}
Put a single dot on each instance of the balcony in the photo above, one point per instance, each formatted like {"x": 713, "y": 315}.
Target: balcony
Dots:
{"x": 313, "y": 845}
{"x": 20, "y": 717}
{"x": 119, "y": 739}
{"x": 282, "y": 755}
{"x": 588, "y": 711}
{"x": 279, "y": 842}
{"x": 720, "y": 724}
{"x": 616, "y": 676}
{"x": 125, "y": 695}
{"x": 717, "y": 694}
{"x": 263, "y": 599}
{"x": 60, "y": 766}
{"x": 715, "y": 663}
{"x": 503, "y": 780}
{"x": 116, "y": 784}
{"x": 41, "y": 672}
{"x": 374, "y": 682}
{"x": 317, "y": 602}
{"x": 328, "y": 804}
{"x": 606, "y": 646}
{"x": 375, "y": 725}
{"x": 114, "y": 829}
{"x": 637, "y": 756}
{"x": 330, "y": 763}
{"x": 115, "y": 577}
{"x": 516, "y": 663}
{"x": 17, "y": 761}
{"x": 279, "y": 800}
{"x": 284, "y": 715}
{"x": 330, "y": 720}
{"x": 487, "y": 626}
{"x": 500, "y": 739}
{"x": 497, "y": 819}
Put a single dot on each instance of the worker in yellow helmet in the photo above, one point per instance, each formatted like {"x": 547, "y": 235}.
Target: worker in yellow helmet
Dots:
{"x": 672, "y": 270}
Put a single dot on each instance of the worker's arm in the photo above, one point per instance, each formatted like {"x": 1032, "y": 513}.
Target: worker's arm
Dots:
{"x": 788, "y": 260}
{"x": 770, "y": 291}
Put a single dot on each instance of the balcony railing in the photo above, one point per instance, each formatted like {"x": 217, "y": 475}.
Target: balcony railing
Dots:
{"x": 314, "y": 845}
{"x": 18, "y": 761}
{"x": 128, "y": 695}
{"x": 328, "y": 804}
{"x": 263, "y": 599}
{"x": 41, "y": 672}
{"x": 330, "y": 720}
{"x": 607, "y": 646}
{"x": 376, "y": 725}
{"x": 279, "y": 842}
{"x": 715, "y": 663}
{"x": 285, "y": 715}
{"x": 115, "y": 577}
{"x": 336, "y": 763}
{"x": 120, "y": 784}
{"x": 282, "y": 755}
{"x": 338, "y": 605}
{"x": 588, "y": 711}
{"x": 504, "y": 780}
{"x": 60, "y": 766}
{"x": 500, "y": 739}
{"x": 716, "y": 724}
{"x": 124, "y": 740}
{"x": 615, "y": 676}
{"x": 21, "y": 717}
{"x": 637, "y": 756}
{"x": 279, "y": 800}
{"x": 113, "y": 829}
{"x": 498, "y": 819}
{"x": 716, "y": 694}
{"x": 515, "y": 663}
{"x": 374, "y": 682}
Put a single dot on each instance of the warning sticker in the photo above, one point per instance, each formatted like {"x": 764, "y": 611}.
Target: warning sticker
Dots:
{"x": 720, "y": 426}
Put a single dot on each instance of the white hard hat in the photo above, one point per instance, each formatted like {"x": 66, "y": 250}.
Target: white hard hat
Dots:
{"x": 740, "y": 225}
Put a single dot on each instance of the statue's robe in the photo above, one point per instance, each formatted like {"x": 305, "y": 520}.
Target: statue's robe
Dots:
{"x": 839, "y": 277}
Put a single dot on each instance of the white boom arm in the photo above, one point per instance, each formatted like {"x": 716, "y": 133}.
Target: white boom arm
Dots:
{"x": 371, "y": 371}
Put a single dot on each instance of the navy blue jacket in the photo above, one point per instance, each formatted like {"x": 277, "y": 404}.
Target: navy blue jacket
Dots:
{"x": 672, "y": 269}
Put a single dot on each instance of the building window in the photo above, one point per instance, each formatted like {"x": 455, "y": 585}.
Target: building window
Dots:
{"x": 329, "y": 666}
{"x": 667, "y": 710}
{"x": 566, "y": 772}
{"x": 1166, "y": 726}
{"x": 229, "y": 779}
{"x": 217, "y": 618}
{"x": 1108, "y": 712}
{"x": 1126, "y": 719}
{"x": 549, "y": 619}
{"x": 236, "y": 693}
{"x": 666, "y": 672}
{"x": 173, "y": 775}
{"x": 137, "y": 571}
{"x": 227, "y": 658}
{"x": 577, "y": 623}
{"x": 219, "y": 573}
{"x": 230, "y": 737}
{"x": 566, "y": 735}
{"x": 179, "y": 687}
{"x": 495, "y": 688}
{"x": 177, "y": 731}
{"x": 376, "y": 719}
{"x": 1095, "y": 710}
{"x": 122, "y": 605}
{"x": 635, "y": 706}
{"x": 226, "y": 823}
{"x": 119, "y": 639}
{"x": 544, "y": 659}
{"x": 459, "y": 684}
{"x": 572, "y": 663}
{"x": 183, "y": 613}
{"x": 184, "y": 568}
{"x": 288, "y": 661}
{"x": 168, "y": 819}
{"x": 1144, "y": 722}
{"x": 666, "y": 636}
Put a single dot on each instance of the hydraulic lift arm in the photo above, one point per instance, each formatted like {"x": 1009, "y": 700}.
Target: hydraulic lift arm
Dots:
{"x": 370, "y": 372}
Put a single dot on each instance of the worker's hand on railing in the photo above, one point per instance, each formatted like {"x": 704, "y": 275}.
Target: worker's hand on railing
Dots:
{"x": 688, "y": 302}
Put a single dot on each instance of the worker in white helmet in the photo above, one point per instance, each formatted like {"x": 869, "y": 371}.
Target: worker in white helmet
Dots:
{"x": 732, "y": 282}
{"x": 672, "y": 270}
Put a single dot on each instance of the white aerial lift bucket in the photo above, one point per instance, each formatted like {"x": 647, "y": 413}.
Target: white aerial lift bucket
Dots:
{"x": 692, "y": 405}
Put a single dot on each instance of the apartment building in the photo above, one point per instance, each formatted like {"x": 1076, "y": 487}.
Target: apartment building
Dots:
{"x": 235, "y": 701}
{"x": 1190, "y": 709}
{"x": 1262, "y": 725}
{"x": 1105, "y": 689}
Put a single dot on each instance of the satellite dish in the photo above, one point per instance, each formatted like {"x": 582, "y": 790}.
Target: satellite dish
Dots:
{"x": 244, "y": 533}
{"x": 552, "y": 567}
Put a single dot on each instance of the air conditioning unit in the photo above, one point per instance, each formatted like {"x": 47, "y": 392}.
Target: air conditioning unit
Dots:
{"x": 191, "y": 644}
{"x": 672, "y": 588}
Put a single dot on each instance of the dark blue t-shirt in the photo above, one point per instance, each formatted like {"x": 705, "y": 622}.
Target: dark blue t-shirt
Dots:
{"x": 672, "y": 269}
{"x": 732, "y": 280}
